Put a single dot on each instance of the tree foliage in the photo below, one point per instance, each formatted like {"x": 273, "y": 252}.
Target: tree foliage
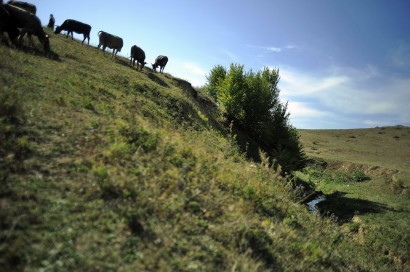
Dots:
{"x": 218, "y": 74}
{"x": 251, "y": 100}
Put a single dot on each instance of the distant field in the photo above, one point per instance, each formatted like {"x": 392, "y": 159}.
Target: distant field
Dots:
{"x": 382, "y": 153}
{"x": 385, "y": 146}
{"x": 365, "y": 176}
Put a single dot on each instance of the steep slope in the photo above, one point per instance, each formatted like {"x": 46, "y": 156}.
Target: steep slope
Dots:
{"x": 104, "y": 168}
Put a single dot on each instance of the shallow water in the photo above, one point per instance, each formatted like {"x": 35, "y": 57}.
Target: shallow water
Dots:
{"x": 312, "y": 205}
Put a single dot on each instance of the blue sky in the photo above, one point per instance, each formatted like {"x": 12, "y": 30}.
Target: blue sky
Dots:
{"x": 343, "y": 64}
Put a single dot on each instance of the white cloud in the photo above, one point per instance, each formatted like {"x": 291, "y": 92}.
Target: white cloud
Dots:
{"x": 190, "y": 71}
{"x": 195, "y": 69}
{"x": 293, "y": 82}
{"x": 365, "y": 96}
{"x": 274, "y": 49}
{"x": 389, "y": 97}
{"x": 305, "y": 110}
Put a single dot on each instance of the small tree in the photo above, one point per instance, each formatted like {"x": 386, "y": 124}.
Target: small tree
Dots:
{"x": 252, "y": 101}
{"x": 218, "y": 74}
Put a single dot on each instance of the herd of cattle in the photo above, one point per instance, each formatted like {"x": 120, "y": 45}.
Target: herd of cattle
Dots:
{"x": 18, "y": 18}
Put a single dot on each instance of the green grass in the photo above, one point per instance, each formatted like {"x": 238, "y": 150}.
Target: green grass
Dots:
{"x": 104, "y": 168}
{"x": 365, "y": 174}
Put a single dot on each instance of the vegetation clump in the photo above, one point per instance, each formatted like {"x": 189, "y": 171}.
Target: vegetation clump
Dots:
{"x": 251, "y": 101}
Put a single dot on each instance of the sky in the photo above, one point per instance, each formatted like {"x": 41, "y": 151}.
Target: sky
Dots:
{"x": 342, "y": 64}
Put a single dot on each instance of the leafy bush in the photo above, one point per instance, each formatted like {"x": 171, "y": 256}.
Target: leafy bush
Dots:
{"x": 251, "y": 101}
{"x": 218, "y": 74}
{"x": 358, "y": 175}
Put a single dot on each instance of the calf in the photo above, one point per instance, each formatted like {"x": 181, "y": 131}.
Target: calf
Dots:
{"x": 30, "y": 24}
{"x": 75, "y": 26}
{"x": 24, "y": 5}
{"x": 137, "y": 54}
{"x": 160, "y": 61}
{"x": 112, "y": 41}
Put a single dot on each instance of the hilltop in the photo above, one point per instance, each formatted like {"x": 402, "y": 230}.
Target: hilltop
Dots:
{"x": 105, "y": 168}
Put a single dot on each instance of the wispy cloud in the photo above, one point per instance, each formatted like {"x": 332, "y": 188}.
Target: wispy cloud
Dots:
{"x": 297, "y": 83}
{"x": 274, "y": 49}
{"x": 400, "y": 55}
{"x": 195, "y": 69}
{"x": 232, "y": 57}
{"x": 190, "y": 71}
{"x": 305, "y": 110}
{"x": 363, "y": 95}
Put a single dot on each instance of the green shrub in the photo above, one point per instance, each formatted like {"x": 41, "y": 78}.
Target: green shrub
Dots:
{"x": 358, "y": 175}
{"x": 251, "y": 101}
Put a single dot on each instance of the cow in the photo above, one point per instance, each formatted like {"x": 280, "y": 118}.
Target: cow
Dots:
{"x": 30, "y": 24}
{"x": 75, "y": 26}
{"x": 137, "y": 54}
{"x": 24, "y": 5}
{"x": 7, "y": 25}
{"x": 160, "y": 61}
{"x": 112, "y": 41}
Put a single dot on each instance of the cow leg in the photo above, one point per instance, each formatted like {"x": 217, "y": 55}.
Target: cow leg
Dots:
{"x": 84, "y": 38}
{"x": 30, "y": 40}
{"x": 114, "y": 52}
{"x": 2, "y": 27}
{"x": 88, "y": 36}
{"x": 72, "y": 35}
{"x": 45, "y": 42}
{"x": 20, "y": 38}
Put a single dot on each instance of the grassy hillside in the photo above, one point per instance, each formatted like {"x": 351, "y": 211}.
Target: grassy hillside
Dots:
{"x": 104, "y": 168}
